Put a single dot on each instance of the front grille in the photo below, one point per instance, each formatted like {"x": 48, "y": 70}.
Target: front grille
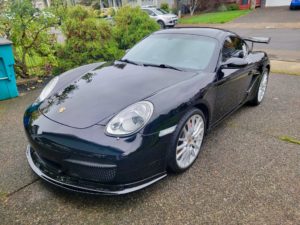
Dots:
{"x": 86, "y": 171}
{"x": 93, "y": 173}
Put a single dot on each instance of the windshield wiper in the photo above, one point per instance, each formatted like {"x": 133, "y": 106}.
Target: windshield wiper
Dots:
{"x": 163, "y": 66}
{"x": 131, "y": 62}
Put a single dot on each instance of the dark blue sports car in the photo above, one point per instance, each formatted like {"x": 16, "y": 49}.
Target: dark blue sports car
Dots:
{"x": 114, "y": 128}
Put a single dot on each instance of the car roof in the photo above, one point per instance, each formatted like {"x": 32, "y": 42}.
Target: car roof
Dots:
{"x": 216, "y": 33}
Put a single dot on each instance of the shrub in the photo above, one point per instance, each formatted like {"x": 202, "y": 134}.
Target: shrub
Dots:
{"x": 164, "y": 6}
{"x": 222, "y": 8}
{"x": 28, "y": 29}
{"x": 131, "y": 25}
{"x": 232, "y": 7}
{"x": 88, "y": 39}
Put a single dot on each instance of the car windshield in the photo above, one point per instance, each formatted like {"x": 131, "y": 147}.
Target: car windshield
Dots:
{"x": 161, "y": 11}
{"x": 177, "y": 50}
{"x": 157, "y": 12}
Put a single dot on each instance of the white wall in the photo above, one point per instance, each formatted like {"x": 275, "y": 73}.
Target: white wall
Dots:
{"x": 277, "y": 2}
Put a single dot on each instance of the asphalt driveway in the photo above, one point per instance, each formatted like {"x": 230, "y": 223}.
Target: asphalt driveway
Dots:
{"x": 244, "y": 175}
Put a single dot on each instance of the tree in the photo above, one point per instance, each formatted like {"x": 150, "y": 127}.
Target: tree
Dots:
{"x": 253, "y": 4}
{"x": 194, "y": 4}
{"x": 28, "y": 28}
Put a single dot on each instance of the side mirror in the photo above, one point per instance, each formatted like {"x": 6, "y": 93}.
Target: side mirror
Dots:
{"x": 234, "y": 62}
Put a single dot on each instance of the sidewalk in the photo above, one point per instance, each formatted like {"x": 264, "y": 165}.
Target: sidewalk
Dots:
{"x": 283, "y": 67}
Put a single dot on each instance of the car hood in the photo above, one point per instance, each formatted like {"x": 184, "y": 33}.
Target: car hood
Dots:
{"x": 105, "y": 91}
{"x": 169, "y": 16}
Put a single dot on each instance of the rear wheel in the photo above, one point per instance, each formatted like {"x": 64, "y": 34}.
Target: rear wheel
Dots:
{"x": 261, "y": 90}
{"x": 187, "y": 141}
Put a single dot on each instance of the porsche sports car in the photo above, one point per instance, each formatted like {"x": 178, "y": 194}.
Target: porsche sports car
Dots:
{"x": 114, "y": 128}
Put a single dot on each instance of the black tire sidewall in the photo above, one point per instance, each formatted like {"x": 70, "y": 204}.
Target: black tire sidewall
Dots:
{"x": 161, "y": 24}
{"x": 171, "y": 157}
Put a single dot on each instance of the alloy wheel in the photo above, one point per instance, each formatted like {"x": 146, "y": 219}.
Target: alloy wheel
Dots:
{"x": 262, "y": 87}
{"x": 190, "y": 141}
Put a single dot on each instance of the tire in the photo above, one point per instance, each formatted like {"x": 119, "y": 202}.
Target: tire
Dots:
{"x": 259, "y": 96}
{"x": 179, "y": 155}
{"x": 161, "y": 24}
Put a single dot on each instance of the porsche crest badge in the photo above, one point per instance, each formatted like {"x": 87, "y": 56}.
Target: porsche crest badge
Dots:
{"x": 61, "y": 109}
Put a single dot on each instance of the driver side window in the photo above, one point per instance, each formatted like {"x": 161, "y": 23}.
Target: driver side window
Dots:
{"x": 234, "y": 47}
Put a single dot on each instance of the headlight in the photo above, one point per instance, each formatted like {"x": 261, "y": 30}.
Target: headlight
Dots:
{"x": 47, "y": 89}
{"x": 131, "y": 119}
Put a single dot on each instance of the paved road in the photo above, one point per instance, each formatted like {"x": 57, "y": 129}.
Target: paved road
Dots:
{"x": 284, "y": 45}
{"x": 271, "y": 15}
{"x": 244, "y": 175}
{"x": 285, "y": 38}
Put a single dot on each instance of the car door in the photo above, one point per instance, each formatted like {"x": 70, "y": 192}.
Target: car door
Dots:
{"x": 232, "y": 82}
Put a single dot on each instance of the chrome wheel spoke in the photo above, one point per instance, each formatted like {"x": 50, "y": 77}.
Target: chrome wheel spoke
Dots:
{"x": 180, "y": 154}
{"x": 183, "y": 145}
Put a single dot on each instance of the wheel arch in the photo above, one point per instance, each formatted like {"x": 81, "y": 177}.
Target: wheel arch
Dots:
{"x": 268, "y": 67}
{"x": 161, "y": 21}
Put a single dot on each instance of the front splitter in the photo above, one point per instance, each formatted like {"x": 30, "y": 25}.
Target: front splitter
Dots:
{"x": 89, "y": 190}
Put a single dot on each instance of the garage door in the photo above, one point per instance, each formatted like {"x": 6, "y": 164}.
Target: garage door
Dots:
{"x": 277, "y": 2}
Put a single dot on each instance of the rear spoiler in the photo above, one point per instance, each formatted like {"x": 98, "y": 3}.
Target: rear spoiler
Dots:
{"x": 261, "y": 40}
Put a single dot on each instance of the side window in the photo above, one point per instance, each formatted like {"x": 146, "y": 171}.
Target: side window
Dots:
{"x": 147, "y": 11}
{"x": 150, "y": 12}
{"x": 234, "y": 47}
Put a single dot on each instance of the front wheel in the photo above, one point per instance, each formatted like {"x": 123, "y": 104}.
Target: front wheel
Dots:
{"x": 187, "y": 141}
{"x": 161, "y": 24}
{"x": 261, "y": 90}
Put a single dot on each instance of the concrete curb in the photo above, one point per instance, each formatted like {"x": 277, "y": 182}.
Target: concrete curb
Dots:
{"x": 284, "y": 67}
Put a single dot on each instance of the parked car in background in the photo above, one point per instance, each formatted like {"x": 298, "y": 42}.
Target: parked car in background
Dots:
{"x": 163, "y": 18}
{"x": 295, "y": 4}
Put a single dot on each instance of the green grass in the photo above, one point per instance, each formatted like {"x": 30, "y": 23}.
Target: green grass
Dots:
{"x": 215, "y": 17}
{"x": 290, "y": 140}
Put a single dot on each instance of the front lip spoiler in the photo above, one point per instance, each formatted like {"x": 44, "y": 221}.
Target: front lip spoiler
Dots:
{"x": 86, "y": 190}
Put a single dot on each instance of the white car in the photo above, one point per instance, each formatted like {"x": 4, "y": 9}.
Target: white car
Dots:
{"x": 163, "y": 18}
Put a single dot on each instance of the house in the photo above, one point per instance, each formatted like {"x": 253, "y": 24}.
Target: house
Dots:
{"x": 246, "y": 4}
{"x": 277, "y": 3}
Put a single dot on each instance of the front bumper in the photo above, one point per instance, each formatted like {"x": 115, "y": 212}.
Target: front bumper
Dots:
{"x": 83, "y": 186}
{"x": 87, "y": 160}
{"x": 171, "y": 22}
